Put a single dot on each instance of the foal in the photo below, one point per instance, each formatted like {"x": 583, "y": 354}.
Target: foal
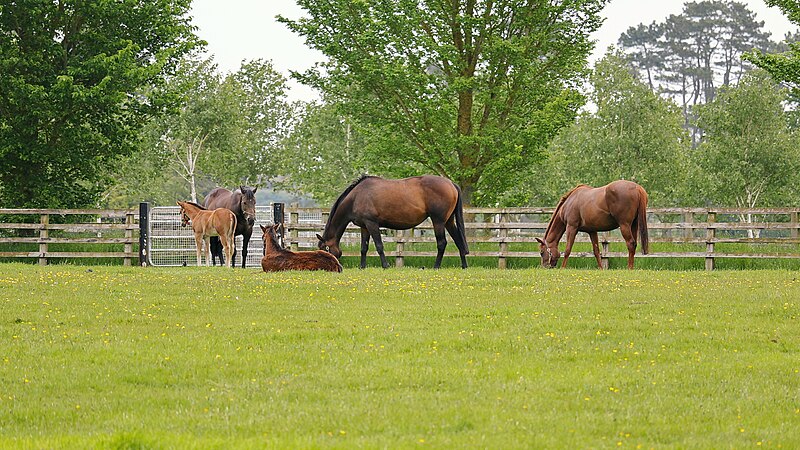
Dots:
{"x": 276, "y": 258}
{"x": 205, "y": 223}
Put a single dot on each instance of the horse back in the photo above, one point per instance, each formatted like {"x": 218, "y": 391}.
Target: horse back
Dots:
{"x": 403, "y": 203}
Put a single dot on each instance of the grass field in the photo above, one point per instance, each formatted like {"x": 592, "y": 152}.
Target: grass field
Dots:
{"x": 113, "y": 357}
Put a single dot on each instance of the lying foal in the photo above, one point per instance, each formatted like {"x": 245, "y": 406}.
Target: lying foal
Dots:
{"x": 276, "y": 258}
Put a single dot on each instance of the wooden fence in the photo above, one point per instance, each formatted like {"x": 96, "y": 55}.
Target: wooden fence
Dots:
{"x": 496, "y": 233}
{"x": 96, "y": 230}
{"x": 506, "y": 229}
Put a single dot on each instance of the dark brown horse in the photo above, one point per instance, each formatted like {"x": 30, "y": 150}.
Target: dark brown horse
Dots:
{"x": 243, "y": 203}
{"x": 620, "y": 204}
{"x": 276, "y": 258}
{"x": 373, "y": 202}
{"x": 220, "y": 222}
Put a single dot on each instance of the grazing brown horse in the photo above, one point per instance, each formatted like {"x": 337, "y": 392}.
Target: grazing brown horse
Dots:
{"x": 276, "y": 258}
{"x": 373, "y": 202}
{"x": 619, "y": 204}
{"x": 220, "y": 222}
{"x": 243, "y": 203}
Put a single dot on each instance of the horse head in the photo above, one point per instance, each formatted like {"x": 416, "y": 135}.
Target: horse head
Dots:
{"x": 549, "y": 255}
{"x": 247, "y": 202}
{"x": 184, "y": 217}
{"x": 331, "y": 246}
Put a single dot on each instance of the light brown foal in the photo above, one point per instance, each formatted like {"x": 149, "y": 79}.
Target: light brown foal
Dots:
{"x": 206, "y": 223}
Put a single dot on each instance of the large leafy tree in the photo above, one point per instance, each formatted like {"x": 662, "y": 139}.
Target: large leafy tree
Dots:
{"x": 469, "y": 89}
{"x": 76, "y": 86}
{"x": 633, "y": 134}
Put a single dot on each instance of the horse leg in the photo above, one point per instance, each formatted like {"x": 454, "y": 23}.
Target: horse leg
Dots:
{"x": 245, "y": 241}
{"x": 233, "y": 253}
{"x": 455, "y": 233}
{"x": 595, "y": 248}
{"x": 216, "y": 251}
{"x": 198, "y": 242}
{"x": 208, "y": 251}
{"x": 630, "y": 241}
{"x": 364, "y": 246}
{"x": 375, "y": 232}
{"x": 441, "y": 243}
{"x": 226, "y": 247}
{"x": 572, "y": 231}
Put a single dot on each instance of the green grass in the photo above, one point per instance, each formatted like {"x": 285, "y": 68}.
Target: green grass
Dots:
{"x": 114, "y": 357}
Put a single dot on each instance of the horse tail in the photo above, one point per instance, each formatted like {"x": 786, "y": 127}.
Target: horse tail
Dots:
{"x": 642, "y": 219}
{"x": 460, "y": 220}
{"x": 232, "y": 232}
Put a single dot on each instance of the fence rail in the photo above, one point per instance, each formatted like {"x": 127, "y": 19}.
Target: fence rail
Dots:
{"x": 500, "y": 233}
{"x": 67, "y": 227}
{"x": 503, "y": 226}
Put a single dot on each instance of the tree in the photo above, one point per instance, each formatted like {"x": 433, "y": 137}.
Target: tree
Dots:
{"x": 227, "y": 131}
{"x": 634, "y": 134}
{"x": 470, "y": 89}
{"x": 748, "y": 157}
{"x": 324, "y": 153}
{"x": 690, "y": 55}
{"x": 784, "y": 67}
{"x": 77, "y": 85}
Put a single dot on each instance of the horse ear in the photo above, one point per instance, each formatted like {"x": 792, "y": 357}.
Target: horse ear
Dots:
{"x": 241, "y": 188}
{"x": 540, "y": 241}
{"x": 320, "y": 237}
{"x": 263, "y": 228}
{"x": 255, "y": 189}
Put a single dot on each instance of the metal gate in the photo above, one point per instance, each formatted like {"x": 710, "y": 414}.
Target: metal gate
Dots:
{"x": 170, "y": 244}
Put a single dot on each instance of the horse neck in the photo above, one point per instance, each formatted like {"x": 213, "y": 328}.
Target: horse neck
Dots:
{"x": 555, "y": 229}
{"x": 271, "y": 244}
{"x": 337, "y": 222}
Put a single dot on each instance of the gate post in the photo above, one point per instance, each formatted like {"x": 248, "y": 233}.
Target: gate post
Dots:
{"x": 144, "y": 236}
{"x": 278, "y": 217}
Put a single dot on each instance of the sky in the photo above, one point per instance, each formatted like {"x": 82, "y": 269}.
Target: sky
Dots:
{"x": 238, "y": 30}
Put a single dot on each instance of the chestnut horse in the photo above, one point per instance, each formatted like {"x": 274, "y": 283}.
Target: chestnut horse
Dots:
{"x": 220, "y": 222}
{"x": 619, "y": 204}
{"x": 243, "y": 203}
{"x": 373, "y": 202}
{"x": 276, "y": 258}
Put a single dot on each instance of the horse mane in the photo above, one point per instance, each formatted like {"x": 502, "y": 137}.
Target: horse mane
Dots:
{"x": 560, "y": 204}
{"x": 197, "y": 206}
{"x": 343, "y": 195}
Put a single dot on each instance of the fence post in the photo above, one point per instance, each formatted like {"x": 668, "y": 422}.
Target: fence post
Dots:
{"x": 294, "y": 218}
{"x": 278, "y": 217}
{"x": 604, "y": 250}
{"x": 398, "y": 237}
{"x": 144, "y": 234}
{"x": 795, "y": 225}
{"x": 502, "y": 262}
{"x": 129, "y": 220}
{"x": 688, "y": 219}
{"x": 44, "y": 235}
{"x": 711, "y": 233}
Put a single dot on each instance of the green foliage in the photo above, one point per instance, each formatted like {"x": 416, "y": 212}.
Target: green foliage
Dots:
{"x": 748, "y": 156}
{"x": 785, "y": 66}
{"x": 214, "y": 358}
{"x": 227, "y": 131}
{"x": 474, "y": 89}
{"x": 76, "y": 88}
{"x": 324, "y": 154}
{"x": 634, "y": 134}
